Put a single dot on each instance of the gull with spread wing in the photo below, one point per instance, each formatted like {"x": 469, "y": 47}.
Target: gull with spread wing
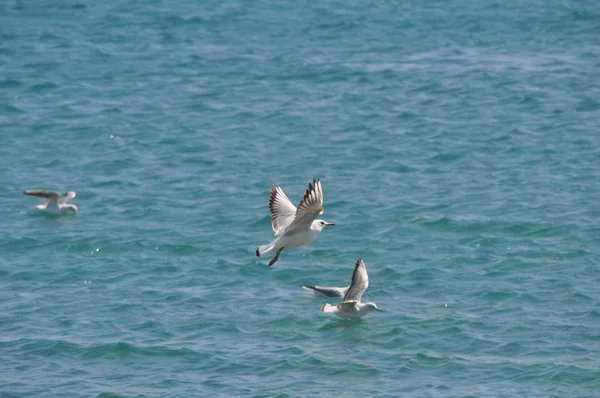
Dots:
{"x": 352, "y": 307}
{"x": 294, "y": 227}
{"x": 54, "y": 202}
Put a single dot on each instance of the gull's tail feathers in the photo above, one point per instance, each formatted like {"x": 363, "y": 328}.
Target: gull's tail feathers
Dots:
{"x": 328, "y": 308}
{"x": 263, "y": 249}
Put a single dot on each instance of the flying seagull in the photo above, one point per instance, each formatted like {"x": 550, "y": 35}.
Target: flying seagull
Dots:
{"x": 294, "y": 227}
{"x": 352, "y": 307}
{"x": 54, "y": 202}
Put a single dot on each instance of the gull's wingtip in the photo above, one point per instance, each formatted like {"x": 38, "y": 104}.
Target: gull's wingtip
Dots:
{"x": 257, "y": 252}
{"x": 308, "y": 288}
{"x": 360, "y": 263}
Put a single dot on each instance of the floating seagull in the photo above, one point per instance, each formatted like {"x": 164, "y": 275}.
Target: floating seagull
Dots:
{"x": 54, "y": 202}
{"x": 327, "y": 291}
{"x": 351, "y": 307}
{"x": 294, "y": 227}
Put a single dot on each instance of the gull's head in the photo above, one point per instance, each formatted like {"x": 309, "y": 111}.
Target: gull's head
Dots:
{"x": 320, "y": 224}
{"x": 373, "y": 306}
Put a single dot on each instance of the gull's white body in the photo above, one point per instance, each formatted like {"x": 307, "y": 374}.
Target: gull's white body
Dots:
{"x": 54, "y": 202}
{"x": 348, "y": 309}
{"x": 327, "y": 291}
{"x": 352, "y": 307}
{"x": 294, "y": 227}
{"x": 293, "y": 239}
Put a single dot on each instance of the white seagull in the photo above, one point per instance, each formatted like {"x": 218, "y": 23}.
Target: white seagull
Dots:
{"x": 54, "y": 202}
{"x": 294, "y": 227}
{"x": 327, "y": 291}
{"x": 351, "y": 307}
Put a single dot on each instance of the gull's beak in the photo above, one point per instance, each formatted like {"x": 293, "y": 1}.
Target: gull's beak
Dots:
{"x": 329, "y": 224}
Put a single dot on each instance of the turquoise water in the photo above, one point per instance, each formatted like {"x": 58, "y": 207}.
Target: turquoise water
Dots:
{"x": 458, "y": 145}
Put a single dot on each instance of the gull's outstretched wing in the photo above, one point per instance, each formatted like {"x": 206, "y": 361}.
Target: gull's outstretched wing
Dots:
{"x": 68, "y": 196}
{"x": 49, "y": 196}
{"x": 309, "y": 208}
{"x": 282, "y": 210}
{"x": 360, "y": 282}
{"x": 327, "y": 291}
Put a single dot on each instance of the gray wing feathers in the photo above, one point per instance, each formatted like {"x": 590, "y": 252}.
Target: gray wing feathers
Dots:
{"x": 326, "y": 291}
{"x": 49, "y": 196}
{"x": 360, "y": 282}
{"x": 347, "y": 305}
{"x": 310, "y": 207}
{"x": 282, "y": 210}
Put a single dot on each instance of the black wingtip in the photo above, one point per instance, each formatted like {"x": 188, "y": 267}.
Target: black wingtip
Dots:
{"x": 273, "y": 194}
{"x": 311, "y": 187}
{"x": 257, "y": 252}
{"x": 358, "y": 262}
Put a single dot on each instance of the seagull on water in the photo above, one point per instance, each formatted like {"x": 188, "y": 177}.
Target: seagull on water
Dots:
{"x": 294, "y": 227}
{"x": 352, "y": 307}
{"x": 54, "y": 202}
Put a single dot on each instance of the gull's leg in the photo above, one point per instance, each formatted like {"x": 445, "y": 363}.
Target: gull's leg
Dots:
{"x": 276, "y": 257}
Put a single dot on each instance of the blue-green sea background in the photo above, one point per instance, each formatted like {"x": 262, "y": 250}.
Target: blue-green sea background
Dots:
{"x": 459, "y": 148}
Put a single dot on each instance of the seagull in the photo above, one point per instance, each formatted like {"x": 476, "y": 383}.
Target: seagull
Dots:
{"x": 352, "y": 307}
{"x": 327, "y": 291}
{"x": 294, "y": 227}
{"x": 54, "y": 202}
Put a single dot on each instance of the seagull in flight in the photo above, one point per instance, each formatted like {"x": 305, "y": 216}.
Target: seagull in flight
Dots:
{"x": 352, "y": 307}
{"x": 294, "y": 227}
{"x": 54, "y": 202}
